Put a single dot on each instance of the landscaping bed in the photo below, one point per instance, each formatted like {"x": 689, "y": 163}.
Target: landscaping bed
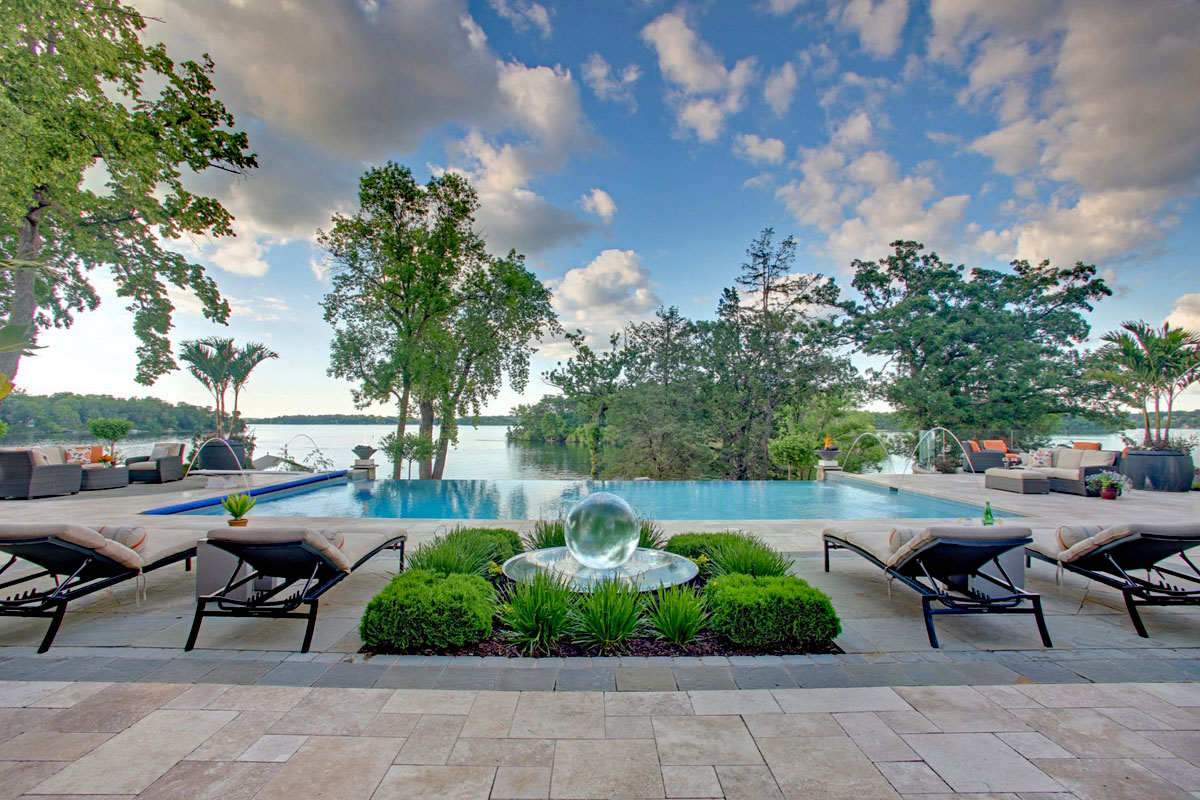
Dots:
{"x": 453, "y": 599}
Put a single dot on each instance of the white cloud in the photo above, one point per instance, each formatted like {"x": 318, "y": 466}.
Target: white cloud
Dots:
{"x": 782, "y": 8}
{"x": 704, "y": 92}
{"x": 605, "y": 295}
{"x": 1097, "y": 101}
{"x": 780, "y": 88}
{"x": 608, "y": 84}
{"x": 757, "y": 150}
{"x": 1186, "y": 313}
{"x": 600, "y": 203}
{"x": 855, "y": 130}
{"x": 523, "y": 14}
{"x": 878, "y": 24}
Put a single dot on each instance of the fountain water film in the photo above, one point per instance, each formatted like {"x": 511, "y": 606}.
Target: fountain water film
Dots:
{"x": 602, "y": 531}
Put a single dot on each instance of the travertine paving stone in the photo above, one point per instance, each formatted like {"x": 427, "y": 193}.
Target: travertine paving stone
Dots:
{"x": 691, "y": 782}
{"x": 554, "y": 715}
{"x": 703, "y": 741}
{"x": 1110, "y": 779}
{"x": 748, "y": 783}
{"x": 979, "y": 762}
{"x": 605, "y": 768}
{"x": 333, "y": 767}
{"x": 826, "y": 767}
{"x": 521, "y": 783}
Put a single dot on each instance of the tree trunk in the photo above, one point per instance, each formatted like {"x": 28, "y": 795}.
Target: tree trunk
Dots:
{"x": 23, "y": 304}
{"x": 439, "y": 462}
{"x": 401, "y": 424}
{"x": 425, "y": 471}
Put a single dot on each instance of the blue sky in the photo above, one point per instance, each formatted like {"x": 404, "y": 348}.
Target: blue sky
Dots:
{"x": 633, "y": 148}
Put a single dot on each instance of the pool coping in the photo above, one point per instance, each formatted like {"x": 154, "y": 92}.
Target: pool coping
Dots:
{"x": 208, "y": 502}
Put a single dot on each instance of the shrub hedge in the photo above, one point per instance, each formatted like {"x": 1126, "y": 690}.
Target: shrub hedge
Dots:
{"x": 421, "y": 610}
{"x": 771, "y": 613}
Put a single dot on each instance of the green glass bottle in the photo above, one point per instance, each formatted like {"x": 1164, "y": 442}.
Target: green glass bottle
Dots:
{"x": 988, "y": 517}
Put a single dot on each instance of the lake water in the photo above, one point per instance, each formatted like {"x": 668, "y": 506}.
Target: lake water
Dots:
{"x": 482, "y": 453}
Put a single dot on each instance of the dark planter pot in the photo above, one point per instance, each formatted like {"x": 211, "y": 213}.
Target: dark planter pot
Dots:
{"x": 1158, "y": 470}
{"x": 215, "y": 455}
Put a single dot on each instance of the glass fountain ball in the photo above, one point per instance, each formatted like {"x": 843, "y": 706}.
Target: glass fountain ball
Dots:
{"x": 602, "y": 531}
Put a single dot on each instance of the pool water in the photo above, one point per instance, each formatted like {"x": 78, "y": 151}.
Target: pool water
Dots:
{"x": 534, "y": 499}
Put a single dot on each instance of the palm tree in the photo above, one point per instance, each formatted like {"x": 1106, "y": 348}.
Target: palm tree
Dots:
{"x": 243, "y": 363}
{"x": 209, "y": 361}
{"x": 1150, "y": 365}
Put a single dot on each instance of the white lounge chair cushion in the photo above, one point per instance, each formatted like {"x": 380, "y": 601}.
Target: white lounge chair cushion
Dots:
{"x": 132, "y": 536}
{"x": 358, "y": 545}
{"x": 1045, "y": 541}
{"x": 971, "y": 532}
{"x": 1070, "y": 535}
{"x": 336, "y": 538}
{"x": 1184, "y": 530}
{"x": 900, "y": 537}
{"x": 337, "y": 557}
{"x": 72, "y": 534}
{"x": 874, "y": 542}
{"x": 162, "y": 544}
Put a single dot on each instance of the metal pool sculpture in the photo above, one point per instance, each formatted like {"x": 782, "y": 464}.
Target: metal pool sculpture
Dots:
{"x": 602, "y": 533}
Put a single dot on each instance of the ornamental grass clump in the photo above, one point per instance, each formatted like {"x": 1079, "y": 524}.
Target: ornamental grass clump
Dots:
{"x": 608, "y": 617}
{"x": 536, "y": 614}
{"x": 468, "y": 551}
{"x": 650, "y": 535}
{"x": 505, "y": 543}
{"x": 677, "y": 614}
{"x": 747, "y": 555}
{"x": 771, "y": 613}
{"x": 697, "y": 547}
{"x": 422, "y": 611}
{"x": 547, "y": 533}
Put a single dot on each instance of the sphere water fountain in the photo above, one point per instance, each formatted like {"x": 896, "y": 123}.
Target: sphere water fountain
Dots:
{"x": 602, "y": 533}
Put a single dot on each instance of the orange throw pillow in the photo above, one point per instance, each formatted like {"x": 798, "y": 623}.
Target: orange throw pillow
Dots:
{"x": 995, "y": 444}
{"x": 974, "y": 445}
{"x": 1086, "y": 445}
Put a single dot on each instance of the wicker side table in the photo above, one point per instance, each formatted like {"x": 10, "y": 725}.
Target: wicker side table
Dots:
{"x": 105, "y": 478}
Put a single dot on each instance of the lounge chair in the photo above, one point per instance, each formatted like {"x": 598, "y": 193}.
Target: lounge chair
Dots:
{"x": 311, "y": 561}
{"x": 1109, "y": 555}
{"x": 943, "y": 564}
{"x": 75, "y": 560}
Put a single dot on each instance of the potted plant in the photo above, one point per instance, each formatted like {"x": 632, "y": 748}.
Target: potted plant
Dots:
{"x": 1110, "y": 484}
{"x": 1149, "y": 367}
{"x": 238, "y": 505}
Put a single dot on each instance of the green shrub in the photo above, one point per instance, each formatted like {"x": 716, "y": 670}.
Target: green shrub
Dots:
{"x": 608, "y": 617}
{"x": 728, "y": 552}
{"x": 772, "y": 613}
{"x": 746, "y": 555}
{"x": 547, "y": 533}
{"x": 650, "y": 535}
{"x": 537, "y": 614}
{"x": 677, "y": 614}
{"x": 421, "y": 611}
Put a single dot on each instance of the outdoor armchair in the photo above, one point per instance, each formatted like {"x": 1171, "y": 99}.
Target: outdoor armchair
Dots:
{"x": 164, "y": 464}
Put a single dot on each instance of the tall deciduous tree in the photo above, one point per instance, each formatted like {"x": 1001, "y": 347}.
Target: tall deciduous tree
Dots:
{"x": 74, "y": 96}
{"x": 983, "y": 352}
{"x": 593, "y": 379}
{"x": 396, "y": 265}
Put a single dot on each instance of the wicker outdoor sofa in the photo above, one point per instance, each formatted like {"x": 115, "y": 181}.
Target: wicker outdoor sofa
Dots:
{"x": 26, "y": 474}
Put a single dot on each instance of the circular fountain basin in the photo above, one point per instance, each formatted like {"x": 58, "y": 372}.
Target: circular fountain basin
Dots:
{"x": 645, "y": 570}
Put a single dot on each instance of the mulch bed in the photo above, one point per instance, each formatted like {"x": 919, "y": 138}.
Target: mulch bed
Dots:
{"x": 706, "y": 645}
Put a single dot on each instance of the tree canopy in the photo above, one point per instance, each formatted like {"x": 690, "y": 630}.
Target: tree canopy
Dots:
{"x": 85, "y": 100}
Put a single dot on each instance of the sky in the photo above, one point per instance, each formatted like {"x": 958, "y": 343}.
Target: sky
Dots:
{"x": 632, "y": 149}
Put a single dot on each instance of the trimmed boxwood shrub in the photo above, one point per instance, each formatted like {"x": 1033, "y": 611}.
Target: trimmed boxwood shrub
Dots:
{"x": 421, "y": 611}
{"x": 771, "y": 613}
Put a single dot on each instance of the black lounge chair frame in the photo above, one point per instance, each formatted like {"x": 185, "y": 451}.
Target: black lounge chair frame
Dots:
{"x": 293, "y": 562}
{"x": 1112, "y": 564}
{"x": 86, "y": 572}
{"x": 954, "y": 557}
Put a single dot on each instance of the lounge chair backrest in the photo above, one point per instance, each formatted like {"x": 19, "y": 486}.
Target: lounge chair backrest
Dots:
{"x": 1187, "y": 531}
{"x": 973, "y": 533}
{"x": 77, "y": 535}
{"x": 267, "y": 536}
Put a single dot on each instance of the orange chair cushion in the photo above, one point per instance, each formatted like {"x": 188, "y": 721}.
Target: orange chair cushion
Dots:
{"x": 995, "y": 444}
{"x": 1086, "y": 445}
{"x": 974, "y": 445}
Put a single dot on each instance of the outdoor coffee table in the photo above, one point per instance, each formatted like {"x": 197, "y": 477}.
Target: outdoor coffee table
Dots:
{"x": 104, "y": 478}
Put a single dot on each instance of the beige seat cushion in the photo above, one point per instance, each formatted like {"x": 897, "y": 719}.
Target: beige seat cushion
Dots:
{"x": 1045, "y": 542}
{"x": 1182, "y": 530}
{"x": 143, "y": 466}
{"x": 901, "y": 536}
{"x": 1070, "y": 535}
{"x": 874, "y": 542}
{"x": 358, "y": 545}
{"x": 1067, "y": 458}
{"x": 1062, "y": 473}
{"x": 165, "y": 449}
{"x": 1017, "y": 474}
{"x": 1097, "y": 458}
{"x": 73, "y": 534}
{"x": 48, "y": 455}
{"x": 971, "y": 532}
{"x": 162, "y": 544}
{"x": 262, "y": 535}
